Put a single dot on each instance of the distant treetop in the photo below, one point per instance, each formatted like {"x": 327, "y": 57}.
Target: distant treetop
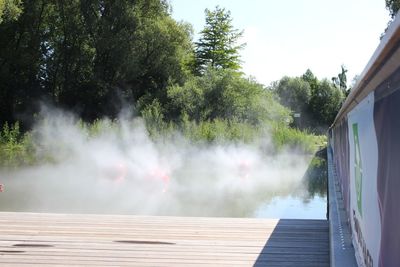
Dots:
{"x": 218, "y": 45}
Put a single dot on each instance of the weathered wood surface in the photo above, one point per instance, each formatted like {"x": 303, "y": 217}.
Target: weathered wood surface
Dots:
{"x": 28, "y": 239}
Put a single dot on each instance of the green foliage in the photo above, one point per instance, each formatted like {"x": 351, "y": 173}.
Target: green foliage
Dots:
{"x": 294, "y": 93}
{"x": 10, "y": 10}
{"x": 317, "y": 101}
{"x": 96, "y": 128}
{"x": 296, "y": 139}
{"x": 312, "y": 80}
{"x": 91, "y": 56}
{"x": 393, "y": 6}
{"x": 94, "y": 56}
{"x": 218, "y": 42}
{"x": 163, "y": 54}
{"x": 225, "y": 94}
{"x": 326, "y": 102}
{"x": 15, "y": 148}
{"x": 340, "y": 80}
{"x": 154, "y": 119}
{"x": 343, "y": 78}
{"x": 218, "y": 131}
{"x": 188, "y": 99}
{"x": 316, "y": 175}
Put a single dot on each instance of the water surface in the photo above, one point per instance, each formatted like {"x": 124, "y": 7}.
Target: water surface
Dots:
{"x": 37, "y": 191}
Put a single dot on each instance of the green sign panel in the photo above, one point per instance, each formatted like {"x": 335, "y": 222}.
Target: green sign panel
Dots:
{"x": 358, "y": 167}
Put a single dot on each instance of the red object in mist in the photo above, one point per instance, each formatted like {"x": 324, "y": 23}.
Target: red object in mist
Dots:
{"x": 121, "y": 170}
{"x": 162, "y": 175}
{"x": 1, "y": 187}
{"x": 244, "y": 169}
{"x": 116, "y": 172}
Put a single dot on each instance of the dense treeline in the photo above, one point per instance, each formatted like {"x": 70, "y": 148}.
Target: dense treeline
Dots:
{"x": 315, "y": 102}
{"x": 94, "y": 56}
{"x": 88, "y": 56}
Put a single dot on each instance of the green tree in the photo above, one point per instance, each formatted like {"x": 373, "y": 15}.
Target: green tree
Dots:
{"x": 312, "y": 80}
{"x": 21, "y": 59}
{"x": 294, "y": 93}
{"x": 10, "y": 9}
{"x": 393, "y": 6}
{"x": 90, "y": 56}
{"x": 340, "y": 81}
{"x": 343, "y": 78}
{"x": 162, "y": 54}
{"x": 225, "y": 94}
{"x": 130, "y": 44}
{"x": 317, "y": 101}
{"x": 325, "y": 103}
{"x": 217, "y": 45}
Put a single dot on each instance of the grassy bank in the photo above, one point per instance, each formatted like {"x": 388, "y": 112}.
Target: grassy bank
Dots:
{"x": 21, "y": 149}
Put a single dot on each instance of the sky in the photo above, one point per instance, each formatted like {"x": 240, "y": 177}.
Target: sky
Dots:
{"x": 289, "y": 37}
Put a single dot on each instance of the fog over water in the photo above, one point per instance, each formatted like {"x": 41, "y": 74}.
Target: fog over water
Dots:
{"x": 122, "y": 170}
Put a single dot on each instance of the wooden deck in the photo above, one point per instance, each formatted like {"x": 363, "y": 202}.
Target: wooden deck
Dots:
{"x": 112, "y": 240}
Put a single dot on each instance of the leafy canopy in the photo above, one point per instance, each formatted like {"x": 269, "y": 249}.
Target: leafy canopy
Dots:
{"x": 317, "y": 101}
{"x": 90, "y": 56}
{"x": 224, "y": 94}
{"x": 10, "y": 9}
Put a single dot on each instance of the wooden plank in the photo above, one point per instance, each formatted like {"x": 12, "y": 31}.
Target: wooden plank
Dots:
{"x": 28, "y": 239}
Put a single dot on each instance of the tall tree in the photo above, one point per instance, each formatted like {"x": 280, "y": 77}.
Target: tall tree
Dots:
{"x": 340, "y": 80}
{"x": 343, "y": 78}
{"x": 21, "y": 60}
{"x": 309, "y": 77}
{"x": 218, "y": 45}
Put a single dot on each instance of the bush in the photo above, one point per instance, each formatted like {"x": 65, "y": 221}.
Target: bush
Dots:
{"x": 295, "y": 139}
{"x": 19, "y": 149}
{"x": 219, "y": 131}
{"x": 16, "y": 148}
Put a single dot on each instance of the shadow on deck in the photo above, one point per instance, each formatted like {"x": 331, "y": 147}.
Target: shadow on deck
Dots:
{"x": 296, "y": 243}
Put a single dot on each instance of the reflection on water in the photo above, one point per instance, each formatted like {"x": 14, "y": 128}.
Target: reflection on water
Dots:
{"x": 316, "y": 177}
{"x": 293, "y": 208}
{"x": 309, "y": 202}
{"x": 305, "y": 200}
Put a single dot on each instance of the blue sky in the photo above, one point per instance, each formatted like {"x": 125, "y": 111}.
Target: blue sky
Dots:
{"x": 287, "y": 37}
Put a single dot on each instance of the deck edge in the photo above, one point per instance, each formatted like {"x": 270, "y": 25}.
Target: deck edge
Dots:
{"x": 341, "y": 248}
